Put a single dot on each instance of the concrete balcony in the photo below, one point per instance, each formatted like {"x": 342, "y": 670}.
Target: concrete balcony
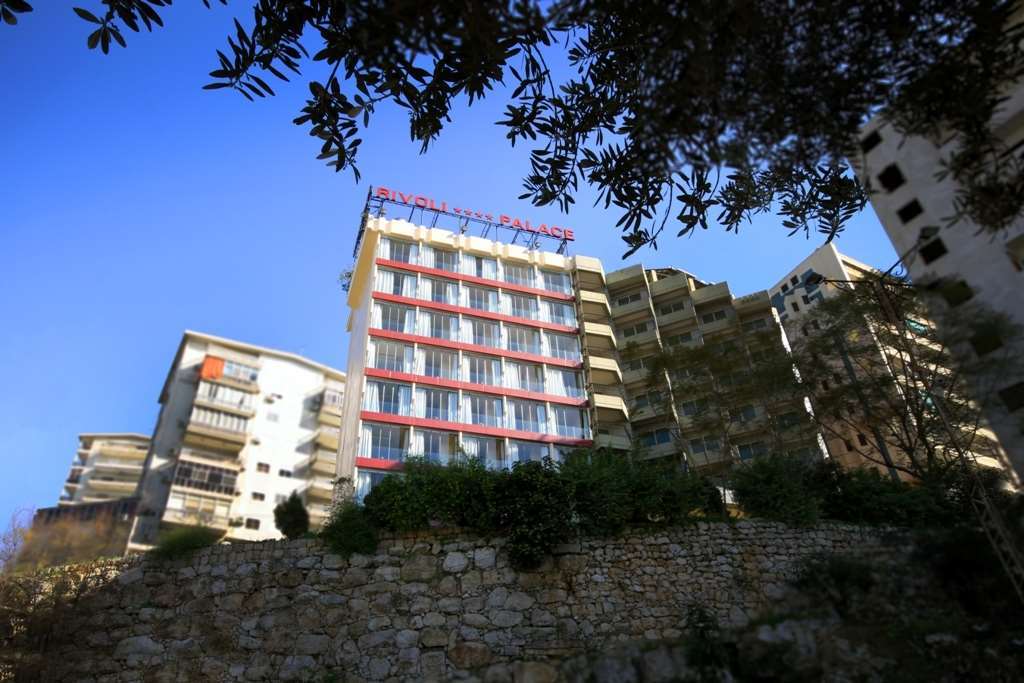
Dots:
{"x": 636, "y": 376}
{"x": 718, "y": 326}
{"x": 751, "y": 303}
{"x": 329, "y": 415}
{"x": 324, "y": 462}
{"x": 594, "y": 305}
{"x": 617, "y": 442}
{"x": 685, "y": 315}
{"x": 225, "y": 406}
{"x": 599, "y": 336}
{"x": 589, "y": 272}
{"x": 202, "y": 436}
{"x": 603, "y": 370}
{"x": 123, "y": 451}
{"x": 674, "y": 284}
{"x": 120, "y": 487}
{"x": 648, "y": 337}
{"x": 118, "y": 466}
{"x": 632, "y": 308}
{"x": 625, "y": 277}
{"x": 661, "y": 450}
{"x": 610, "y": 408}
{"x": 704, "y": 295}
{"x": 196, "y": 518}
{"x": 327, "y": 437}
{"x": 320, "y": 489}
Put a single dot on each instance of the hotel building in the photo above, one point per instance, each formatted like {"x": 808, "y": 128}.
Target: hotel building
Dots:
{"x": 240, "y": 428}
{"x": 963, "y": 262}
{"x": 105, "y": 467}
{"x": 462, "y": 345}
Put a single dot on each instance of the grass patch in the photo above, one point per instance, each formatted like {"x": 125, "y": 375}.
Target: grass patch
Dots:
{"x": 184, "y": 541}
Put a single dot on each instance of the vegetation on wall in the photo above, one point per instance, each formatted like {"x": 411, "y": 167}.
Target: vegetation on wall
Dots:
{"x": 291, "y": 517}
{"x": 183, "y": 541}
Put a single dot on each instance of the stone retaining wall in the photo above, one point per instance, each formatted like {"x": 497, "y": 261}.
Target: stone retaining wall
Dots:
{"x": 426, "y": 607}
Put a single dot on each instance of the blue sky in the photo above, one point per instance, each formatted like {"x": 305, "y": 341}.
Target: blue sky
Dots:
{"x": 136, "y": 205}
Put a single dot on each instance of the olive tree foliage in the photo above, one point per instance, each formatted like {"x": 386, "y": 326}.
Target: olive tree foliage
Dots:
{"x": 872, "y": 364}
{"x": 678, "y": 116}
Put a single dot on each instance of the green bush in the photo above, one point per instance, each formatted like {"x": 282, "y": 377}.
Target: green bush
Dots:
{"x": 183, "y": 541}
{"x": 604, "y": 494}
{"x": 533, "y": 505}
{"x": 777, "y": 488}
{"x": 291, "y": 517}
{"x": 665, "y": 493}
{"x": 349, "y": 529}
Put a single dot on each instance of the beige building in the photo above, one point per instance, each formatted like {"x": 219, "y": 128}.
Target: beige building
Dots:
{"x": 465, "y": 345}
{"x": 105, "y": 467}
{"x": 962, "y": 261}
{"x": 240, "y": 428}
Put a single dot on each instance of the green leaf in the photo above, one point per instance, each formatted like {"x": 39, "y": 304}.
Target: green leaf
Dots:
{"x": 87, "y": 15}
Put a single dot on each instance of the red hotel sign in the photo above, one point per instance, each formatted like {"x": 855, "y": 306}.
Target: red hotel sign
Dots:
{"x": 423, "y": 202}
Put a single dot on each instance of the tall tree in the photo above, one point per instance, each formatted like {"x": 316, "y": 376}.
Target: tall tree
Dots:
{"x": 697, "y": 112}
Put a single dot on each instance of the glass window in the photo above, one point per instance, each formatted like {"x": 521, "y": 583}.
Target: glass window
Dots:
{"x": 743, "y": 414}
{"x": 525, "y": 376}
{"x": 219, "y": 420}
{"x": 440, "y": 363}
{"x": 491, "y": 452}
{"x": 526, "y": 416}
{"x": 563, "y": 382}
{"x": 563, "y": 346}
{"x": 713, "y": 316}
{"x": 397, "y": 250}
{"x": 365, "y": 481}
{"x": 752, "y": 325}
{"x": 393, "y": 282}
{"x": 484, "y": 410}
{"x": 482, "y": 299}
{"x": 485, "y": 333}
{"x": 570, "y": 422}
{"x": 437, "y": 404}
{"x": 388, "y": 397}
{"x": 484, "y": 370}
{"x": 557, "y": 282}
{"x": 439, "y": 325}
{"x": 518, "y": 274}
{"x": 392, "y": 356}
{"x": 522, "y": 339}
{"x": 627, "y": 299}
{"x": 205, "y": 477}
{"x": 527, "y": 451}
{"x": 224, "y": 395}
{"x": 240, "y": 371}
{"x": 481, "y": 266}
{"x": 752, "y": 450}
{"x": 437, "y": 447}
{"x": 445, "y": 260}
{"x": 559, "y": 313}
{"x": 384, "y": 442}
{"x": 441, "y": 291}
{"x": 393, "y": 317}
{"x": 706, "y": 444}
{"x": 521, "y": 306}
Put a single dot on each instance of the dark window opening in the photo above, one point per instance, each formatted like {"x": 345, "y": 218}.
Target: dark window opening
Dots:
{"x": 956, "y": 292}
{"x": 262, "y": 467}
{"x": 910, "y": 211}
{"x": 933, "y": 250}
{"x": 986, "y": 340}
{"x": 891, "y": 177}
{"x": 1013, "y": 396}
{"x": 862, "y": 440}
{"x": 870, "y": 142}
{"x": 794, "y": 280}
{"x": 252, "y": 523}
{"x": 796, "y": 308}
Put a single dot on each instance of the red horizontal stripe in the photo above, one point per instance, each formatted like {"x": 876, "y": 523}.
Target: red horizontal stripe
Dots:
{"x": 481, "y": 430}
{"x": 450, "y": 308}
{"x": 473, "y": 279}
{"x": 378, "y": 464}
{"x": 463, "y": 346}
{"x": 473, "y": 386}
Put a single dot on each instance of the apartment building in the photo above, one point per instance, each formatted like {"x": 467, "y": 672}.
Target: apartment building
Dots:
{"x": 962, "y": 262}
{"x": 105, "y": 467}
{"x": 856, "y": 443}
{"x": 240, "y": 428}
{"x": 462, "y": 345}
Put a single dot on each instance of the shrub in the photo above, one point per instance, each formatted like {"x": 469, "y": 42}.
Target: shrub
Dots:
{"x": 533, "y": 504}
{"x": 349, "y": 529}
{"x": 778, "y": 488}
{"x": 399, "y": 503}
{"x": 837, "y": 579}
{"x": 291, "y": 517}
{"x": 183, "y": 541}
{"x": 665, "y": 493}
{"x": 602, "y": 483}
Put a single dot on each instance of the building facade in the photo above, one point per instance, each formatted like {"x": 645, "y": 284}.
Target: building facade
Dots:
{"x": 464, "y": 346}
{"x": 962, "y": 261}
{"x": 240, "y": 428}
{"x": 105, "y": 467}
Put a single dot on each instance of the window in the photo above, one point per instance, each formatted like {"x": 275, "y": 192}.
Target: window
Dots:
{"x": 392, "y": 282}
{"x": 910, "y": 211}
{"x": 483, "y": 370}
{"x": 527, "y": 451}
{"x": 628, "y": 299}
{"x": 753, "y": 325}
{"x": 806, "y": 299}
{"x": 1013, "y": 396}
{"x": 713, "y": 316}
{"x": 848, "y": 445}
{"x": 933, "y": 250}
{"x": 437, "y": 447}
{"x": 639, "y": 328}
{"x": 526, "y": 416}
{"x": 251, "y": 523}
{"x": 522, "y": 339}
{"x": 557, "y": 282}
{"x": 743, "y": 414}
{"x": 563, "y": 346}
{"x": 484, "y": 410}
{"x": 861, "y": 439}
{"x": 446, "y": 260}
{"x": 441, "y": 291}
{"x": 638, "y": 364}
{"x": 258, "y": 496}
{"x": 788, "y": 420}
{"x": 195, "y": 475}
{"x": 396, "y": 250}
{"x": 440, "y": 325}
{"x": 655, "y": 438}
{"x": 525, "y": 376}
{"x": 482, "y": 299}
{"x": 240, "y": 371}
{"x": 986, "y": 339}
{"x": 273, "y": 417}
{"x": 955, "y": 292}
{"x": 673, "y": 307}
{"x": 752, "y": 450}
{"x": 565, "y": 382}
{"x": 439, "y": 363}
{"x": 796, "y": 308}
{"x": 677, "y": 339}
{"x": 891, "y": 177}
{"x": 559, "y": 313}
{"x": 365, "y": 481}
{"x": 279, "y": 498}
{"x": 691, "y": 408}
{"x": 485, "y": 333}
{"x": 219, "y": 420}
{"x": 224, "y": 395}
{"x": 490, "y": 452}
{"x": 287, "y": 474}
{"x": 437, "y": 404}
{"x": 785, "y": 288}
{"x": 518, "y": 275}
{"x": 870, "y": 141}
{"x": 383, "y": 442}
{"x": 393, "y": 317}
{"x": 391, "y": 356}
{"x": 704, "y": 445}
{"x": 522, "y": 306}
{"x": 387, "y": 397}
{"x": 794, "y": 280}
{"x": 481, "y": 266}
{"x": 262, "y": 467}
{"x": 569, "y": 422}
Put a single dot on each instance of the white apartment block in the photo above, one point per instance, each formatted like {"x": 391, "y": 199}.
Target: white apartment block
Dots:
{"x": 105, "y": 467}
{"x": 240, "y": 428}
{"x": 964, "y": 262}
